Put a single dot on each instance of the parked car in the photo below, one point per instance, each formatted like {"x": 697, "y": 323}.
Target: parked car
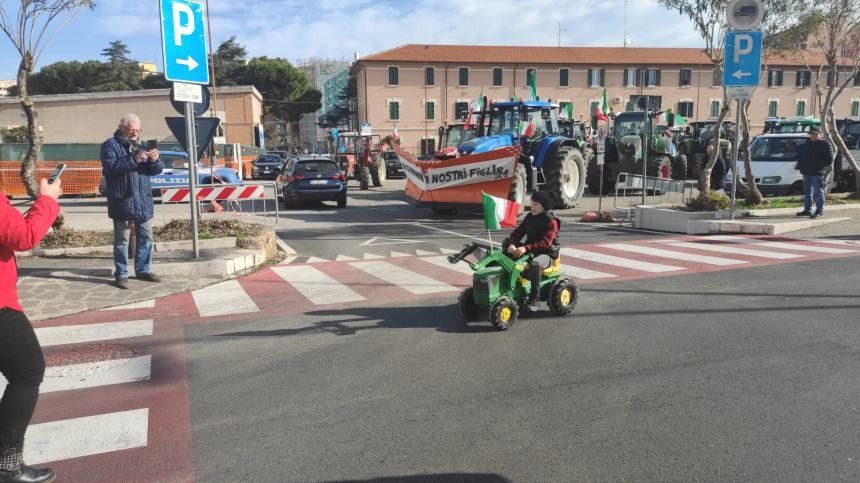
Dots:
{"x": 774, "y": 158}
{"x": 175, "y": 174}
{"x": 393, "y": 167}
{"x": 282, "y": 154}
{"x": 267, "y": 166}
{"x": 311, "y": 178}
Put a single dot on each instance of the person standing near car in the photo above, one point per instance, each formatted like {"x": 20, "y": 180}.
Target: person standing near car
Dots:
{"x": 21, "y": 360}
{"x": 126, "y": 167}
{"x": 814, "y": 160}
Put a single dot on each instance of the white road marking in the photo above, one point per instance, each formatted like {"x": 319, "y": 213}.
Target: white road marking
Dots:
{"x": 373, "y": 256}
{"x": 144, "y": 304}
{"x": 406, "y": 279}
{"x": 785, "y": 245}
{"x": 78, "y": 334}
{"x": 399, "y": 255}
{"x": 583, "y": 273}
{"x": 316, "y": 260}
{"x": 850, "y": 243}
{"x": 448, "y": 251}
{"x": 316, "y": 286}
{"x": 674, "y": 255}
{"x": 461, "y": 235}
{"x": 619, "y": 261}
{"x": 424, "y": 253}
{"x": 344, "y": 258}
{"x": 709, "y": 247}
{"x": 96, "y": 374}
{"x": 442, "y": 261}
{"x": 225, "y": 298}
{"x": 389, "y": 241}
{"x": 92, "y": 435}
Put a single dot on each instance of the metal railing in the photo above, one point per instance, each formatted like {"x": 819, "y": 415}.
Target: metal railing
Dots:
{"x": 658, "y": 191}
{"x": 210, "y": 205}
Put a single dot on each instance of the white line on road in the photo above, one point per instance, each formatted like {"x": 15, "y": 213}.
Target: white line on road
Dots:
{"x": 710, "y": 247}
{"x": 674, "y": 255}
{"x": 462, "y": 267}
{"x": 95, "y": 374}
{"x": 74, "y": 438}
{"x": 406, "y": 279}
{"x": 451, "y": 232}
{"x": 225, "y": 298}
{"x": 784, "y": 245}
{"x": 619, "y": 261}
{"x": 77, "y": 334}
{"x": 316, "y": 286}
{"x": 583, "y": 273}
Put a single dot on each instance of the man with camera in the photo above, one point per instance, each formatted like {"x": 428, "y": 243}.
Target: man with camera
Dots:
{"x": 126, "y": 167}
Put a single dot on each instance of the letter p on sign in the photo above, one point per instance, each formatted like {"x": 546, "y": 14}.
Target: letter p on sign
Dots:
{"x": 180, "y": 28}
{"x": 743, "y": 46}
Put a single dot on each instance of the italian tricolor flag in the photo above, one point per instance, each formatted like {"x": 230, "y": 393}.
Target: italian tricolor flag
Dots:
{"x": 602, "y": 108}
{"x": 527, "y": 129}
{"x": 499, "y": 212}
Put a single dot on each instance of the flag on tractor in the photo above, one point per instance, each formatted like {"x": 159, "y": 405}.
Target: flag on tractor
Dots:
{"x": 476, "y": 106}
{"x": 527, "y": 129}
{"x": 566, "y": 111}
{"x": 665, "y": 116}
{"x": 394, "y": 132}
{"x": 532, "y": 83}
{"x": 499, "y": 212}
{"x": 602, "y": 108}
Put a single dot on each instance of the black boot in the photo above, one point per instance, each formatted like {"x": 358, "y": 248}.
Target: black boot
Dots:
{"x": 13, "y": 469}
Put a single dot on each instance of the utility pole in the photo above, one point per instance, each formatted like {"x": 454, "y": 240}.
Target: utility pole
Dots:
{"x": 560, "y": 30}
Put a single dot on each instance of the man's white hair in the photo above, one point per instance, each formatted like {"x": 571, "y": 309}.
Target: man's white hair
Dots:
{"x": 129, "y": 119}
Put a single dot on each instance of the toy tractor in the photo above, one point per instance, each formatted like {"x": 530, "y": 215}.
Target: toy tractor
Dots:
{"x": 624, "y": 153}
{"x": 693, "y": 144}
{"x": 360, "y": 158}
{"x": 500, "y": 286}
{"x": 548, "y": 160}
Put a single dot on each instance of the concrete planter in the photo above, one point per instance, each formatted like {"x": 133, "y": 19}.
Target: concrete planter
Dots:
{"x": 669, "y": 220}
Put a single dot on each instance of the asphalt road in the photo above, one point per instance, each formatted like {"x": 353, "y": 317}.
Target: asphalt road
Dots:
{"x": 741, "y": 375}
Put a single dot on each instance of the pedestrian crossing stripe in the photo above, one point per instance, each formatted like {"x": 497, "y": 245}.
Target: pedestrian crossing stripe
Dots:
{"x": 316, "y": 286}
{"x": 79, "y": 334}
{"x": 424, "y": 253}
{"x": 399, "y": 254}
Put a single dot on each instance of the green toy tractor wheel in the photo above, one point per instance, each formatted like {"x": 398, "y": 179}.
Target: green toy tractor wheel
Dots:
{"x": 563, "y": 296}
{"x": 504, "y": 313}
{"x": 468, "y": 307}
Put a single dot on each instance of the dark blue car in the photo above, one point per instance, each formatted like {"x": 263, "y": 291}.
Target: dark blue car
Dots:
{"x": 311, "y": 178}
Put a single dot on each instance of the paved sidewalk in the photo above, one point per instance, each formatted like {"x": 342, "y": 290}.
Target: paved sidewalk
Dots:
{"x": 849, "y": 229}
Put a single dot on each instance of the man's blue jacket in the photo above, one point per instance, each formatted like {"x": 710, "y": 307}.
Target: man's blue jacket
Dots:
{"x": 129, "y": 194}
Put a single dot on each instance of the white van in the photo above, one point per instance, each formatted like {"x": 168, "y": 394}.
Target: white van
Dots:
{"x": 774, "y": 160}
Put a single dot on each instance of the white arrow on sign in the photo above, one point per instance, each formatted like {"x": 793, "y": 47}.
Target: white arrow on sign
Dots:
{"x": 739, "y": 74}
{"x": 189, "y": 62}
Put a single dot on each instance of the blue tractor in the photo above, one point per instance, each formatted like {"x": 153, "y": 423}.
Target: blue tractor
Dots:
{"x": 549, "y": 161}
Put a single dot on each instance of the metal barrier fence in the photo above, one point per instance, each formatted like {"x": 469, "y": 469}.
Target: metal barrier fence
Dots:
{"x": 255, "y": 202}
{"x": 658, "y": 191}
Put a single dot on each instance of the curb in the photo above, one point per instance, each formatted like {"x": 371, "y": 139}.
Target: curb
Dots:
{"x": 713, "y": 227}
{"x": 791, "y": 211}
{"x": 172, "y": 246}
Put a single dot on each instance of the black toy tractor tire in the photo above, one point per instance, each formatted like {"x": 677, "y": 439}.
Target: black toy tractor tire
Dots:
{"x": 378, "y": 172}
{"x": 563, "y": 296}
{"x": 503, "y": 313}
{"x": 364, "y": 178}
{"x": 341, "y": 202}
{"x": 565, "y": 177}
{"x": 592, "y": 178}
{"x": 518, "y": 189}
{"x": 468, "y": 307}
{"x": 679, "y": 167}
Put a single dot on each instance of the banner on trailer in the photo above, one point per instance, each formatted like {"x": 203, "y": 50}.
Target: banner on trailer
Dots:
{"x": 459, "y": 175}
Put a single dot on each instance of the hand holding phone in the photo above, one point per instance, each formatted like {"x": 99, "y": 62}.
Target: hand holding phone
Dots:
{"x": 151, "y": 144}
{"x": 57, "y": 172}
{"x": 51, "y": 190}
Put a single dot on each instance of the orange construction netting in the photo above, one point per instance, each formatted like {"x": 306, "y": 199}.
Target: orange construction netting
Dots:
{"x": 79, "y": 178}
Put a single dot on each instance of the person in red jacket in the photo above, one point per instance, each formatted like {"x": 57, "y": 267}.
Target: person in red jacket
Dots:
{"x": 21, "y": 359}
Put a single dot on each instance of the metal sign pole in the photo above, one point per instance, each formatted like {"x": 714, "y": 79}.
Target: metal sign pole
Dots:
{"x": 645, "y": 141}
{"x": 191, "y": 135}
{"x": 735, "y": 151}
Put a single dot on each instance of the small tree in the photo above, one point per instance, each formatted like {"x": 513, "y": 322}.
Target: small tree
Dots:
{"x": 31, "y": 30}
{"x": 16, "y": 134}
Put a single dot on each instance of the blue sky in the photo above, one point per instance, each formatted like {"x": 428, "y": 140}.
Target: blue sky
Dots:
{"x": 298, "y": 29}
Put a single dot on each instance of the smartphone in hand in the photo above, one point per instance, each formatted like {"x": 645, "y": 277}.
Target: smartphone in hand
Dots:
{"x": 57, "y": 172}
{"x": 151, "y": 144}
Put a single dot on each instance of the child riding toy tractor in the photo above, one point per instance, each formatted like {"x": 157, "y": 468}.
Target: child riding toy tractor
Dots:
{"x": 500, "y": 286}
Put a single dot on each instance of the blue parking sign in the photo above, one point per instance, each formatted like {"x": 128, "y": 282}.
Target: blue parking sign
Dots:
{"x": 742, "y": 59}
{"x": 184, "y": 40}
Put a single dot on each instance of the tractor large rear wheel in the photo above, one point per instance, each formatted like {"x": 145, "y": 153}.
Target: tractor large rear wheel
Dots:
{"x": 699, "y": 161}
{"x": 377, "y": 172}
{"x": 679, "y": 167}
{"x": 659, "y": 167}
{"x": 364, "y": 178}
{"x": 592, "y": 178}
{"x": 565, "y": 177}
{"x": 518, "y": 189}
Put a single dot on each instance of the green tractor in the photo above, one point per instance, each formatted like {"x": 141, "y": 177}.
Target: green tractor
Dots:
{"x": 500, "y": 286}
{"x": 693, "y": 144}
{"x": 624, "y": 153}
{"x": 576, "y": 130}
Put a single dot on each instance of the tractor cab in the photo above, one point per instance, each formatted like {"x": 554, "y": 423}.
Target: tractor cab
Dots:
{"x": 359, "y": 157}
{"x": 515, "y": 122}
{"x": 792, "y": 124}
{"x": 451, "y": 136}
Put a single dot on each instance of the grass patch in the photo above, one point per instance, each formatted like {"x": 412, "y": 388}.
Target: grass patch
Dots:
{"x": 174, "y": 231}
{"x": 788, "y": 202}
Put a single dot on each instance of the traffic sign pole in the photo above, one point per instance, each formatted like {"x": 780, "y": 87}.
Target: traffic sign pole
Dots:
{"x": 192, "y": 173}
{"x": 735, "y": 151}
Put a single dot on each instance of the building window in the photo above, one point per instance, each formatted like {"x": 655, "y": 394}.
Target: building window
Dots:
{"x": 631, "y": 77}
{"x": 857, "y": 79}
{"x": 718, "y": 78}
{"x": 855, "y": 108}
{"x": 461, "y": 110}
{"x": 715, "y": 108}
{"x": 564, "y": 77}
{"x": 772, "y": 108}
{"x": 497, "y": 77}
{"x": 685, "y": 108}
{"x": 774, "y": 78}
{"x": 529, "y": 74}
{"x": 652, "y": 77}
{"x": 800, "y": 108}
{"x": 430, "y": 110}
{"x": 685, "y": 78}
{"x": 596, "y": 77}
{"x": 803, "y": 78}
{"x": 429, "y": 76}
{"x": 463, "y": 79}
{"x": 393, "y": 76}
{"x": 428, "y": 146}
{"x": 394, "y": 110}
